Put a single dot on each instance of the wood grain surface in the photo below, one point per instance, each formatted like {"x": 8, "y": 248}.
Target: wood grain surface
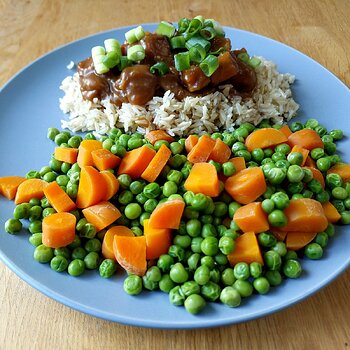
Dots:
{"x": 28, "y": 29}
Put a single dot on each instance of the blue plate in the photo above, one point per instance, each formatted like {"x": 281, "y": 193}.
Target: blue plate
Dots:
{"x": 29, "y": 105}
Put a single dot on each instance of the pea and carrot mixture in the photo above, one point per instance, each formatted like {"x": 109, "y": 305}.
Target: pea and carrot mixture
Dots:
{"x": 208, "y": 218}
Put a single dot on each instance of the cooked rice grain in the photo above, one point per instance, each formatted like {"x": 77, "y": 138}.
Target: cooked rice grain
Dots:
{"x": 272, "y": 100}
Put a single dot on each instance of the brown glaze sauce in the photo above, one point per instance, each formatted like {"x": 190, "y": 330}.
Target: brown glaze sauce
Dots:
{"x": 137, "y": 85}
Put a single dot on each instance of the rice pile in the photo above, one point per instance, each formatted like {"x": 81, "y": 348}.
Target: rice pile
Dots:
{"x": 272, "y": 100}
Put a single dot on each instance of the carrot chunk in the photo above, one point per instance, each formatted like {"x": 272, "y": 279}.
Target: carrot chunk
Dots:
{"x": 317, "y": 175}
{"x": 101, "y": 215}
{"x": 135, "y": 162}
{"x": 156, "y": 165}
{"x": 221, "y": 152}
{"x": 303, "y": 151}
{"x": 104, "y": 159}
{"x": 201, "y": 150}
{"x": 264, "y": 138}
{"x": 238, "y": 162}
{"x": 9, "y": 185}
{"x": 306, "y": 138}
{"x": 66, "y": 154}
{"x": 305, "y": 215}
{"x": 247, "y": 185}
{"x": 84, "y": 151}
{"x": 280, "y": 235}
{"x": 247, "y": 250}
{"x": 30, "y": 188}
{"x": 92, "y": 187}
{"x": 167, "y": 214}
{"x": 296, "y": 240}
{"x": 58, "y": 198}
{"x": 286, "y": 130}
{"x": 158, "y": 240}
{"x": 343, "y": 170}
{"x": 190, "y": 142}
{"x": 112, "y": 184}
{"x": 310, "y": 162}
{"x": 203, "y": 178}
{"x": 107, "y": 243}
{"x": 130, "y": 252}
{"x": 251, "y": 217}
{"x": 58, "y": 230}
{"x": 226, "y": 70}
{"x": 157, "y": 135}
{"x": 331, "y": 212}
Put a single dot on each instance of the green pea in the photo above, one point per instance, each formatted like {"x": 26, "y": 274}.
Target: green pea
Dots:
{"x": 166, "y": 284}
{"x": 315, "y": 186}
{"x": 330, "y": 147}
{"x": 199, "y": 201}
{"x": 330, "y": 230}
{"x": 295, "y": 158}
{"x": 193, "y": 227}
{"x": 278, "y": 156}
{"x": 202, "y": 275}
{"x": 221, "y": 209}
{"x": 211, "y": 291}
{"x": 276, "y": 175}
{"x": 88, "y": 231}
{"x": 79, "y": 253}
{"x": 125, "y": 197}
{"x": 107, "y": 268}
{"x": 61, "y": 138}
{"x": 36, "y": 239}
{"x": 228, "y": 277}
{"x": 178, "y": 273}
{"x": 133, "y": 211}
{"x": 295, "y": 173}
{"x": 118, "y": 149}
{"x": 345, "y": 217}
{"x": 134, "y": 142}
{"x": 124, "y": 181}
{"x": 280, "y": 248}
{"x": 313, "y": 251}
{"x": 136, "y": 187}
{"x": 245, "y": 154}
{"x": 317, "y": 153}
{"x": 49, "y": 177}
{"x": 169, "y": 188}
{"x": 255, "y": 269}
{"x": 277, "y": 218}
{"x": 272, "y": 260}
{"x": 241, "y": 271}
{"x": 322, "y": 239}
{"x": 76, "y": 267}
{"x": 268, "y": 205}
{"x": 93, "y": 245}
{"x": 221, "y": 258}
{"x": 193, "y": 261}
{"x": 244, "y": 288}
{"x": 323, "y": 164}
{"x": 13, "y": 226}
{"x": 43, "y": 254}
{"x": 190, "y": 287}
{"x": 176, "y": 252}
{"x": 154, "y": 274}
{"x": 152, "y": 190}
{"x": 176, "y": 297}
{"x": 63, "y": 251}
{"x": 210, "y": 245}
{"x": 141, "y": 198}
{"x": 230, "y": 297}
{"x": 339, "y": 205}
{"x": 59, "y": 263}
{"x": 175, "y": 176}
{"x": 333, "y": 180}
{"x": 21, "y": 211}
{"x": 292, "y": 268}
{"x": 165, "y": 261}
{"x": 176, "y": 148}
{"x": 339, "y": 193}
{"x": 274, "y": 277}
{"x": 226, "y": 245}
{"x": 52, "y": 133}
{"x": 283, "y": 148}
{"x": 228, "y": 169}
{"x": 210, "y": 208}
{"x": 34, "y": 227}
{"x": 337, "y": 134}
{"x": 261, "y": 285}
{"x": 280, "y": 200}
{"x": 266, "y": 239}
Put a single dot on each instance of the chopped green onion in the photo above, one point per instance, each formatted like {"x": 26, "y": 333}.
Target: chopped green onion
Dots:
{"x": 112, "y": 45}
{"x": 217, "y": 52}
{"x": 200, "y": 18}
{"x": 160, "y": 67}
{"x": 254, "y": 62}
{"x": 208, "y": 23}
{"x": 182, "y": 61}
{"x": 166, "y": 28}
{"x": 183, "y": 25}
{"x": 134, "y": 35}
{"x": 198, "y": 40}
{"x": 136, "y": 53}
{"x": 243, "y": 56}
{"x": 100, "y": 68}
{"x": 218, "y": 28}
{"x": 111, "y": 59}
{"x": 209, "y": 65}
{"x": 197, "y": 53}
{"x": 124, "y": 62}
{"x": 208, "y": 33}
{"x": 97, "y": 51}
{"x": 177, "y": 42}
{"x": 193, "y": 28}
{"x": 98, "y": 55}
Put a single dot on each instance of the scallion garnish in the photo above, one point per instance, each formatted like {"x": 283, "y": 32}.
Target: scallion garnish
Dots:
{"x": 182, "y": 61}
{"x": 165, "y": 28}
{"x": 200, "y": 18}
{"x": 209, "y": 65}
{"x": 193, "y": 28}
{"x": 208, "y": 33}
{"x": 177, "y": 42}
{"x": 217, "y": 52}
{"x": 112, "y": 45}
{"x": 136, "y": 53}
{"x": 98, "y": 54}
{"x": 254, "y": 62}
{"x": 198, "y": 40}
{"x": 197, "y": 53}
{"x": 160, "y": 68}
{"x": 134, "y": 35}
{"x": 243, "y": 56}
{"x": 183, "y": 25}
{"x": 111, "y": 59}
{"x": 124, "y": 62}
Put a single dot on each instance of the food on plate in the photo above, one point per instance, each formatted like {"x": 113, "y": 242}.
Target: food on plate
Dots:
{"x": 210, "y": 218}
{"x": 184, "y": 79}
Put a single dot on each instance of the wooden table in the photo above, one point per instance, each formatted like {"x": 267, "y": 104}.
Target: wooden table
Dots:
{"x": 28, "y": 29}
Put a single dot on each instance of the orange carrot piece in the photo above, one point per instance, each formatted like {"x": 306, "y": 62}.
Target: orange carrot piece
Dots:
{"x": 84, "y": 151}
{"x": 247, "y": 185}
{"x": 305, "y": 215}
{"x": 238, "y": 162}
{"x": 317, "y": 175}
{"x": 310, "y": 162}
{"x": 296, "y": 240}
{"x": 247, "y": 250}
{"x": 9, "y": 185}
{"x": 66, "y": 154}
{"x": 203, "y": 178}
{"x": 112, "y": 184}
{"x": 157, "y": 164}
{"x": 343, "y": 170}
{"x": 286, "y": 130}
{"x": 331, "y": 212}
{"x": 221, "y": 152}
{"x": 102, "y": 214}
{"x": 58, "y": 230}
{"x": 190, "y": 142}
{"x": 58, "y": 198}
{"x": 135, "y": 162}
{"x": 251, "y": 217}
{"x": 280, "y": 235}
{"x": 92, "y": 187}
{"x": 107, "y": 243}
{"x": 130, "y": 252}
{"x": 104, "y": 159}
{"x": 264, "y": 138}
{"x": 30, "y": 188}
{"x": 306, "y": 138}
{"x": 303, "y": 151}
{"x": 167, "y": 214}
{"x": 201, "y": 150}
{"x": 228, "y": 67}
{"x": 158, "y": 240}
{"x": 157, "y": 135}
